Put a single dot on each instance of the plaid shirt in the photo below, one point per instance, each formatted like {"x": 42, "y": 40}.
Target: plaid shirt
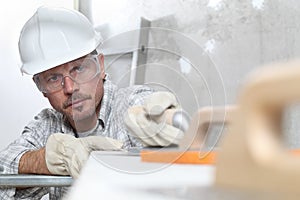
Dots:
{"x": 114, "y": 104}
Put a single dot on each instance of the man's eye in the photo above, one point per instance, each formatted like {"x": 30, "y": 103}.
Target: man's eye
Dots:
{"x": 79, "y": 68}
{"x": 53, "y": 78}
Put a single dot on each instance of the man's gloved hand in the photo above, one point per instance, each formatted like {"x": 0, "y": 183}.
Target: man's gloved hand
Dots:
{"x": 152, "y": 122}
{"x": 65, "y": 154}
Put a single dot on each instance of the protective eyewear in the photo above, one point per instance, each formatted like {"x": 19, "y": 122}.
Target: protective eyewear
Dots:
{"x": 81, "y": 71}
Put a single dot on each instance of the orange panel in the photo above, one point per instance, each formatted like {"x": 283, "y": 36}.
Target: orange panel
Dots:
{"x": 188, "y": 157}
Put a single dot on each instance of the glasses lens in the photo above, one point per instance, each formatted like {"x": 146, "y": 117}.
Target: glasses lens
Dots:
{"x": 80, "y": 71}
{"x": 86, "y": 71}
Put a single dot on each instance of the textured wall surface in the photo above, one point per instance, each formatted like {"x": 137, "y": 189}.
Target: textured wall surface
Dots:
{"x": 237, "y": 36}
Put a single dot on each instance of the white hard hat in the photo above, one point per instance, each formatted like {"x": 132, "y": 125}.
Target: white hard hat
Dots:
{"x": 54, "y": 36}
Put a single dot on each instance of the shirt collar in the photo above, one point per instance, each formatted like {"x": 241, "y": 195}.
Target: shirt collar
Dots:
{"x": 66, "y": 127}
{"x": 107, "y": 99}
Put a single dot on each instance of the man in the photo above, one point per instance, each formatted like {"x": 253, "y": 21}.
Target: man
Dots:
{"x": 59, "y": 48}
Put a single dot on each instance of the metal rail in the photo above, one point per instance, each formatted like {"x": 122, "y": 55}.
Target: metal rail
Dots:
{"x": 32, "y": 180}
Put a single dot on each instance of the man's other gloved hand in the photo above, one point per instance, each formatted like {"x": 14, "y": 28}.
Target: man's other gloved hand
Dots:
{"x": 66, "y": 155}
{"x": 152, "y": 122}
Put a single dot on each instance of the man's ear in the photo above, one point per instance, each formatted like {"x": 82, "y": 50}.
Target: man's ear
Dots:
{"x": 101, "y": 62}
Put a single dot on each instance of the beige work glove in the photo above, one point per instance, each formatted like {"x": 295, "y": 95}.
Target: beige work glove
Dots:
{"x": 66, "y": 155}
{"x": 152, "y": 122}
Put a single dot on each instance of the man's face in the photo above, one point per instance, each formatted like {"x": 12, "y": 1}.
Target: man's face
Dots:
{"x": 77, "y": 101}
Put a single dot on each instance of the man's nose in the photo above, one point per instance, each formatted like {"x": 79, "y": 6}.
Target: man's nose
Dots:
{"x": 69, "y": 86}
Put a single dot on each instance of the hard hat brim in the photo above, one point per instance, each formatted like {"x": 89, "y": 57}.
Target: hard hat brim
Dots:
{"x": 33, "y": 68}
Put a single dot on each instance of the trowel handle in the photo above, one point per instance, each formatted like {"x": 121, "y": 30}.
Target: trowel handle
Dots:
{"x": 181, "y": 120}
{"x": 176, "y": 117}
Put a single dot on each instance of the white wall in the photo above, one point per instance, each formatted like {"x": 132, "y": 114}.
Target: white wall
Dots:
{"x": 20, "y": 100}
